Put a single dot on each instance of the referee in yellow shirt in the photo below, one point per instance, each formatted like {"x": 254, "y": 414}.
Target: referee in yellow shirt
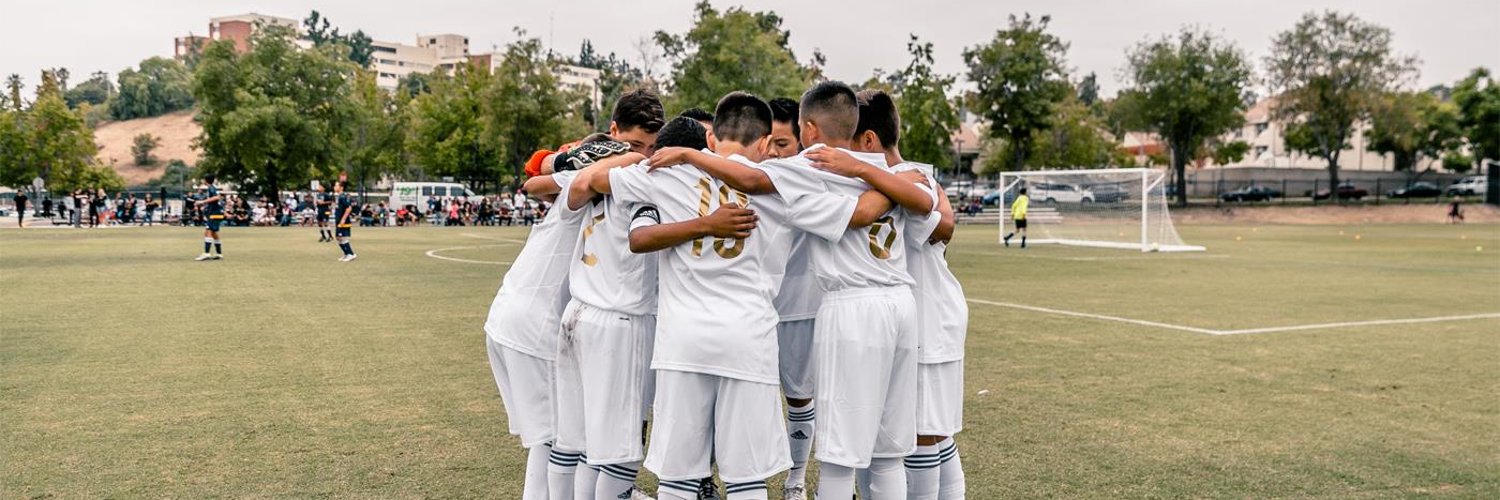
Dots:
{"x": 1018, "y": 213}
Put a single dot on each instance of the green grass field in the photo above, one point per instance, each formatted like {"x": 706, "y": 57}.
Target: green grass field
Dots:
{"x": 131, "y": 371}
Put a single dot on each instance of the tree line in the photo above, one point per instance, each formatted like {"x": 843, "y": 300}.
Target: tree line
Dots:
{"x": 279, "y": 116}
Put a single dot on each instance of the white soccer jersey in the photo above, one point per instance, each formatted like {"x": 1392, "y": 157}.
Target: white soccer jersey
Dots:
{"x": 605, "y": 274}
{"x": 942, "y": 313}
{"x": 800, "y": 294}
{"x": 533, "y": 293}
{"x": 717, "y": 316}
{"x": 821, "y": 204}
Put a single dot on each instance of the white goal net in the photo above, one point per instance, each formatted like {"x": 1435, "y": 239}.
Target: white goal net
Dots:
{"x": 1108, "y": 208}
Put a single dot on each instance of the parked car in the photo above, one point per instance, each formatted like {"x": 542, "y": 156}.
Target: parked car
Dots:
{"x": 1251, "y": 193}
{"x": 1416, "y": 190}
{"x": 991, "y": 198}
{"x": 1109, "y": 193}
{"x": 1054, "y": 193}
{"x": 1346, "y": 191}
{"x": 1473, "y": 185}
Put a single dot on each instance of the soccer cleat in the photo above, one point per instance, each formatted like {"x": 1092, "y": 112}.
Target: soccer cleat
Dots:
{"x": 707, "y": 490}
{"x": 353, "y": 256}
{"x": 205, "y": 256}
{"x": 218, "y": 256}
{"x": 798, "y": 492}
{"x": 1007, "y": 240}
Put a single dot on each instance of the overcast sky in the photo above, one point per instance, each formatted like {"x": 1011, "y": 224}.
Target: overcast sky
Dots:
{"x": 1449, "y": 36}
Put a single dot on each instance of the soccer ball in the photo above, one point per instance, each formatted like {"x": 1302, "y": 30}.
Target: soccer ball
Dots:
{"x": 1155, "y": 247}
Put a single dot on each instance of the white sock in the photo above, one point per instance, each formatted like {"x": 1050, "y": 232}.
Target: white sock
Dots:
{"x": 585, "y": 480}
{"x": 887, "y": 479}
{"x": 561, "y": 465}
{"x": 800, "y": 424}
{"x": 922, "y": 473}
{"x": 616, "y": 480}
{"x": 835, "y": 481}
{"x": 535, "y": 485}
{"x": 951, "y": 479}
{"x": 746, "y": 491}
{"x": 677, "y": 490}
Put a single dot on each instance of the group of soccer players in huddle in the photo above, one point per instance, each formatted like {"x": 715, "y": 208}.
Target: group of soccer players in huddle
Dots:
{"x": 697, "y": 275}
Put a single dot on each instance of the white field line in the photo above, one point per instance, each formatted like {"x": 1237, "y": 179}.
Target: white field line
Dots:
{"x": 1377, "y": 322}
{"x": 492, "y": 238}
{"x": 1210, "y": 331}
{"x": 434, "y": 254}
{"x": 1097, "y": 316}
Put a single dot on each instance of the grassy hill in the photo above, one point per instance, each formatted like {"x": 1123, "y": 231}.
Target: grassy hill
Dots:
{"x": 175, "y": 130}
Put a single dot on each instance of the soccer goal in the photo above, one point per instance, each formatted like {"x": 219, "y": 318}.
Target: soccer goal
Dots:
{"x": 1107, "y": 208}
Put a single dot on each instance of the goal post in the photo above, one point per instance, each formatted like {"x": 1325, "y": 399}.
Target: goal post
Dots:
{"x": 1123, "y": 208}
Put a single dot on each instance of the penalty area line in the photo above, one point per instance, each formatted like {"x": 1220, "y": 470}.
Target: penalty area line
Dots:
{"x": 1377, "y": 322}
{"x": 1141, "y": 322}
{"x": 1245, "y": 331}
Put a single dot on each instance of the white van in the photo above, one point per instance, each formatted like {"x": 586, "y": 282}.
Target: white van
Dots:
{"x": 417, "y": 193}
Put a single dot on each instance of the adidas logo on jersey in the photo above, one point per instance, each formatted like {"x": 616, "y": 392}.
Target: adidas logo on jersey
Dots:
{"x": 798, "y": 434}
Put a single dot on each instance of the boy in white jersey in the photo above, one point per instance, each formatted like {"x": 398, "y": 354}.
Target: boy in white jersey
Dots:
{"x": 603, "y": 382}
{"x": 716, "y": 354}
{"x": 521, "y": 329}
{"x": 865, "y": 339}
{"x": 934, "y": 471}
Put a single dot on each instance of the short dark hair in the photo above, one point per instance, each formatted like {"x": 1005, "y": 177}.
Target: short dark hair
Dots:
{"x": 639, "y": 108}
{"x": 877, "y": 113}
{"x": 209, "y": 178}
{"x": 596, "y": 137}
{"x": 833, "y": 107}
{"x": 784, "y": 110}
{"x": 682, "y": 132}
{"x": 698, "y": 114}
{"x": 741, "y": 117}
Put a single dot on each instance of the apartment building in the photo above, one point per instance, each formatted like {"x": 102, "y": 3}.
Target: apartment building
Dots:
{"x": 236, "y": 28}
{"x": 392, "y": 61}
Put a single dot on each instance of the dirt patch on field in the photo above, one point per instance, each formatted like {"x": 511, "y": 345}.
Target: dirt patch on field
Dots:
{"x": 175, "y": 130}
{"x": 1333, "y": 214}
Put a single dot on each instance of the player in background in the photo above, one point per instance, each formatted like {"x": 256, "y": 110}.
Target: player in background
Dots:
{"x": 603, "y": 371}
{"x": 344, "y": 221}
{"x": 522, "y": 325}
{"x": 323, "y": 210}
{"x": 1018, "y": 214}
{"x": 211, "y": 205}
{"x": 865, "y": 339}
{"x": 934, "y": 471}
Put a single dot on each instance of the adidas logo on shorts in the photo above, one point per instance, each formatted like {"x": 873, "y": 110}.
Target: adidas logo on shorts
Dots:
{"x": 798, "y": 434}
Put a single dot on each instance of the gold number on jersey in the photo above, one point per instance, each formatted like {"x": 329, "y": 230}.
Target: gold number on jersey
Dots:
{"x": 590, "y": 259}
{"x": 722, "y": 246}
{"x": 882, "y": 249}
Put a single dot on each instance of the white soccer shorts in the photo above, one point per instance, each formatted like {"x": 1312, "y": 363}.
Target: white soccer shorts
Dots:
{"x": 525, "y": 383}
{"x": 940, "y": 398}
{"x": 737, "y": 422}
{"x": 795, "y": 353}
{"x": 865, "y": 346}
{"x": 603, "y": 383}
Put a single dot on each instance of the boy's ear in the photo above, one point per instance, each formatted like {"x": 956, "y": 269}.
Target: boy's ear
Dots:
{"x": 614, "y": 129}
{"x": 868, "y": 141}
{"x": 713, "y": 142}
